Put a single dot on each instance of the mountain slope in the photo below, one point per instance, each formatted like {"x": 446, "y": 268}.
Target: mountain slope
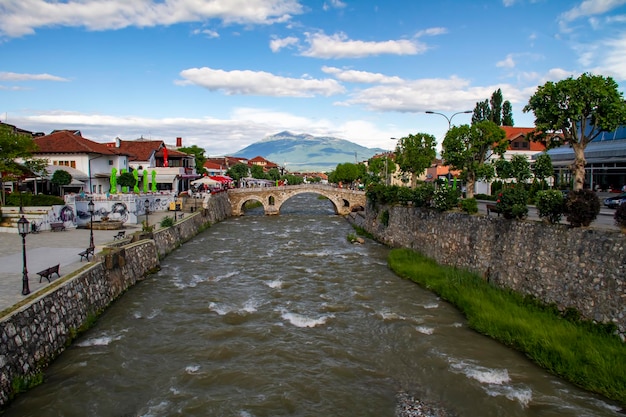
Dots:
{"x": 307, "y": 153}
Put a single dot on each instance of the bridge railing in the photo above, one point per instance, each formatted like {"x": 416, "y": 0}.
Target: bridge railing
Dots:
{"x": 295, "y": 187}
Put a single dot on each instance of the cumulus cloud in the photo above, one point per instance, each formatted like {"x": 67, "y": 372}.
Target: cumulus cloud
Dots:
{"x": 611, "y": 58}
{"x": 258, "y": 83}
{"x": 339, "y": 46}
{"x": 365, "y": 77}
{"x": 14, "y": 76}
{"x": 279, "y": 43}
{"x": 587, "y": 9}
{"x": 507, "y": 62}
{"x": 23, "y": 17}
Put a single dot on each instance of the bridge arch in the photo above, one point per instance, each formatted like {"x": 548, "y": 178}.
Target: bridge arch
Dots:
{"x": 272, "y": 198}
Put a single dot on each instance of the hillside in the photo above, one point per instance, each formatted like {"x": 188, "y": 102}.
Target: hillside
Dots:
{"x": 307, "y": 153}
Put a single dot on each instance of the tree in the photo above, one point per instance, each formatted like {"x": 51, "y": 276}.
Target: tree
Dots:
{"x": 467, "y": 148}
{"x": 273, "y": 174}
{"x": 415, "y": 153}
{"x": 61, "y": 178}
{"x": 238, "y": 171}
{"x": 345, "y": 173}
{"x": 198, "y": 154}
{"x": 127, "y": 179}
{"x": 496, "y": 110}
{"x": 578, "y": 110}
{"x": 14, "y": 146}
{"x": 381, "y": 168}
{"x": 256, "y": 171}
{"x": 520, "y": 168}
{"x": 543, "y": 168}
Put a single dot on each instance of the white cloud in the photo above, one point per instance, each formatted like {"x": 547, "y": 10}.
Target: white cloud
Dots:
{"x": 507, "y": 62}
{"x": 206, "y": 32}
{"x": 339, "y": 46}
{"x": 587, "y": 9}
{"x": 258, "y": 83}
{"x": 23, "y": 17}
{"x": 354, "y": 76}
{"x": 336, "y": 4}
{"x": 13, "y": 76}
{"x": 278, "y": 44}
{"x": 612, "y": 60}
{"x": 431, "y": 32}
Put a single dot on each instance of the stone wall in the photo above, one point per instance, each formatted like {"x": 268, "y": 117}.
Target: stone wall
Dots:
{"x": 32, "y": 336}
{"x": 578, "y": 268}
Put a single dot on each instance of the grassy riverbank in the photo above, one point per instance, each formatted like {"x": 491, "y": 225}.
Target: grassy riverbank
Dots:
{"x": 580, "y": 352}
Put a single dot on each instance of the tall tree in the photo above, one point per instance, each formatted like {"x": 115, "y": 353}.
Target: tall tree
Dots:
{"x": 238, "y": 171}
{"x": 61, "y": 178}
{"x": 198, "y": 154}
{"x": 496, "y": 107}
{"x": 496, "y": 110}
{"x": 467, "y": 148}
{"x": 579, "y": 110}
{"x": 507, "y": 114}
{"x": 543, "y": 168}
{"x": 381, "y": 168}
{"x": 415, "y": 153}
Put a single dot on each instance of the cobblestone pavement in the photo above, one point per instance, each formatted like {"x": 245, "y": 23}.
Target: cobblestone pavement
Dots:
{"x": 48, "y": 249}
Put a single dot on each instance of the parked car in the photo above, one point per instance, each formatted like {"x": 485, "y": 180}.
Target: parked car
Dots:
{"x": 614, "y": 202}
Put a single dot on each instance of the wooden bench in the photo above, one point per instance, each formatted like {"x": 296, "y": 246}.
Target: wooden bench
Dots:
{"x": 47, "y": 273}
{"x": 120, "y": 235}
{"x": 56, "y": 227}
{"x": 494, "y": 208}
{"x": 85, "y": 254}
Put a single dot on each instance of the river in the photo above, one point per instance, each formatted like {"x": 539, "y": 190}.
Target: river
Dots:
{"x": 282, "y": 316}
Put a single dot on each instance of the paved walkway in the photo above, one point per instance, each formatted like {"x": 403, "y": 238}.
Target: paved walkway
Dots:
{"x": 47, "y": 249}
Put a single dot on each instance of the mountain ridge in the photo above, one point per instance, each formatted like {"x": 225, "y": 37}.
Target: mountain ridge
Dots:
{"x": 307, "y": 153}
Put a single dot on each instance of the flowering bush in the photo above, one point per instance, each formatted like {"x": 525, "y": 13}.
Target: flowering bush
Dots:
{"x": 582, "y": 207}
{"x": 511, "y": 202}
{"x": 446, "y": 198}
{"x": 550, "y": 205}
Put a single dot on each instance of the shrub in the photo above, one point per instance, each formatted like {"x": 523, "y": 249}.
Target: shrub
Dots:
{"x": 582, "y": 207}
{"x": 384, "y": 218}
{"x": 423, "y": 195}
{"x": 167, "y": 221}
{"x": 29, "y": 199}
{"x": 404, "y": 195}
{"x": 620, "y": 215}
{"x": 511, "y": 202}
{"x": 469, "y": 205}
{"x": 485, "y": 197}
{"x": 550, "y": 205}
{"x": 446, "y": 198}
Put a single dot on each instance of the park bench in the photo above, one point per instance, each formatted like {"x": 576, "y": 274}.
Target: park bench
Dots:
{"x": 56, "y": 227}
{"x": 85, "y": 254}
{"x": 494, "y": 208}
{"x": 120, "y": 235}
{"x": 47, "y": 273}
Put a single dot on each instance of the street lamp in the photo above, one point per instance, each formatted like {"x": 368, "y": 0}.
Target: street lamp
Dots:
{"x": 449, "y": 119}
{"x": 146, "y": 207}
{"x": 22, "y": 228}
{"x": 175, "y": 210}
{"x": 91, "y": 207}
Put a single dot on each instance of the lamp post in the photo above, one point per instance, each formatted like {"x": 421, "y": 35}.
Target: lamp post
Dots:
{"x": 175, "y": 211}
{"x": 449, "y": 119}
{"x": 91, "y": 207}
{"x": 22, "y": 228}
{"x": 146, "y": 207}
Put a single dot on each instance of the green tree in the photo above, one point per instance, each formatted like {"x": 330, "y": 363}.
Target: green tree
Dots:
{"x": 126, "y": 179}
{"x": 381, "y": 168}
{"x": 345, "y": 173}
{"x": 578, "y": 110}
{"x": 415, "y": 153}
{"x": 273, "y": 174}
{"x": 496, "y": 110}
{"x": 256, "y": 171}
{"x": 61, "y": 178}
{"x": 293, "y": 179}
{"x": 238, "y": 171}
{"x": 467, "y": 148}
{"x": 520, "y": 168}
{"x": 543, "y": 168}
{"x": 198, "y": 154}
{"x": 14, "y": 146}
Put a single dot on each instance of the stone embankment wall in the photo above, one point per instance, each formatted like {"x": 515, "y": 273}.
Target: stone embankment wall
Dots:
{"x": 32, "y": 336}
{"x": 578, "y": 268}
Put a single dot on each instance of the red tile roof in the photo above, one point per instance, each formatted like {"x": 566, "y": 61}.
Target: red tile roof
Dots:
{"x": 140, "y": 149}
{"x": 65, "y": 141}
{"x": 513, "y": 133}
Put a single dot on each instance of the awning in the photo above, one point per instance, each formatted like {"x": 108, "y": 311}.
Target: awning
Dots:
{"x": 205, "y": 180}
{"x": 164, "y": 179}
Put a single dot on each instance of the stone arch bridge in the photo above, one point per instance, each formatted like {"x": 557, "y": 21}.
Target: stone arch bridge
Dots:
{"x": 272, "y": 198}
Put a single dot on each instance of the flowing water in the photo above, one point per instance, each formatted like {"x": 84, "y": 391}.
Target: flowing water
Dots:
{"x": 282, "y": 316}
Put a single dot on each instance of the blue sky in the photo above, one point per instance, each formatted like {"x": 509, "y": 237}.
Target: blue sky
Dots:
{"x": 223, "y": 74}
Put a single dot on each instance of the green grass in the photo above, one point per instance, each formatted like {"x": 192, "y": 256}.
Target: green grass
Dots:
{"x": 585, "y": 354}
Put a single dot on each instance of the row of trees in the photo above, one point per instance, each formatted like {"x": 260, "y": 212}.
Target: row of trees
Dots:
{"x": 571, "y": 111}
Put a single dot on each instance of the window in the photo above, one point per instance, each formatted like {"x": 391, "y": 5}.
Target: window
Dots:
{"x": 65, "y": 163}
{"x": 110, "y": 162}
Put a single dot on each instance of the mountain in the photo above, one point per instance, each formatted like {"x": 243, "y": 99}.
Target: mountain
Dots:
{"x": 307, "y": 153}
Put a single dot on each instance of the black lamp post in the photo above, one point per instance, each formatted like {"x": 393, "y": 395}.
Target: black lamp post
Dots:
{"x": 146, "y": 206}
{"x": 22, "y": 228}
{"x": 175, "y": 210}
{"x": 91, "y": 207}
{"x": 449, "y": 119}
